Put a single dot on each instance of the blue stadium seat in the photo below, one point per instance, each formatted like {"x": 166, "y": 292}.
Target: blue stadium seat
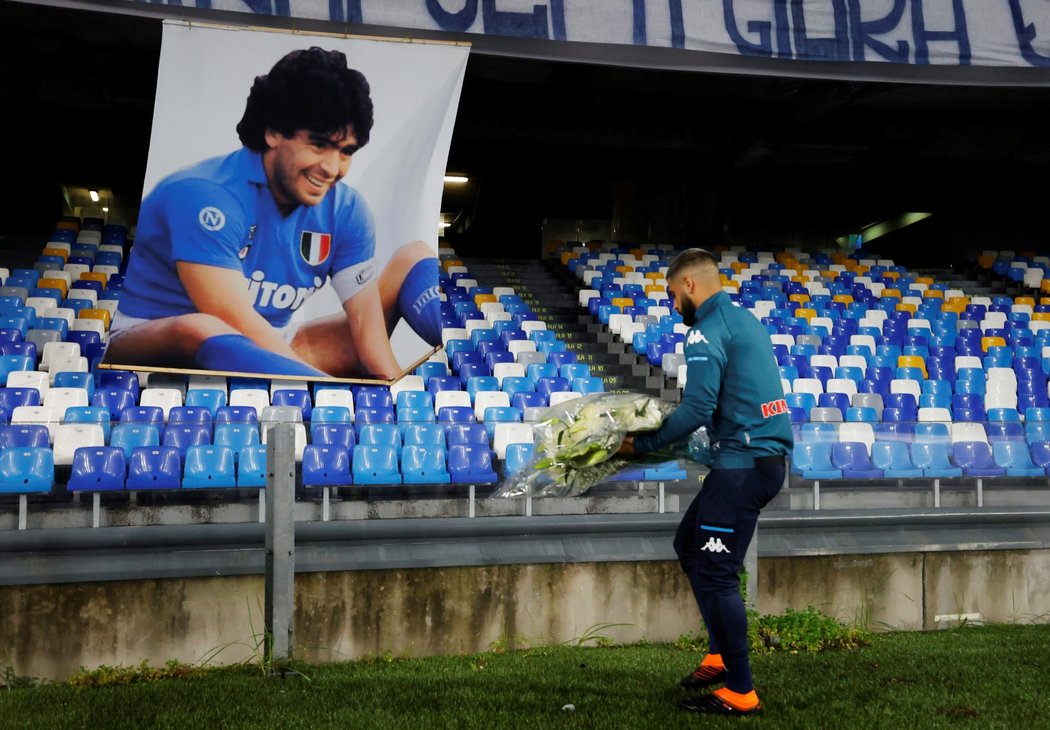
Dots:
{"x": 340, "y": 434}
{"x": 119, "y": 379}
{"x": 251, "y": 466}
{"x": 209, "y": 467}
{"x": 153, "y": 415}
{"x": 894, "y": 460}
{"x": 812, "y": 460}
{"x": 129, "y": 436}
{"x": 236, "y": 435}
{"x": 211, "y": 398}
{"x": 1016, "y": 459}
{"x": 89, "y": 414}
{"x": 375, "y": 465}
{"x": 513, "y": 385}
{"x": 588, "y": 385}
{"x": 76, "y": 380}
{"x": 470, "y": 464}
{"x": 518, "y": 457}
{"x": 296, "y": 398}
{"x": 481, "y": 383}
{"x": 467, "y": 433}
{"x": 424, "y": 465}
{"x": 114, "y": 399}
{"x": 330, "y": 414}
{"x": 26, "y": 470}
{"x": 414, "y": 399}
{"x": 365, "y": 416}
{"x": 819, "y": 432}
{"x": 11, "y": 398}
{"x": 447, "y": 382}
{"x": 154, "y": 467}
{"x": 1004, "y": 431}
{"x": 189, "y": 414}
{"x": 852, "y": 458}
{"x": 424, "y": 434}
{"x": 326, "y": 465}
{"x": 975, "y": 457}
{"x": 933, "y": 459}
{"x": 373, "y": 397}
{"x": 97, "y": 469}
{"x": 184, "y": 435}
{"x": 24, "y": 435}
{"x": 456, "y": 414}
{"x": 415, "y": 415}
{"x": 380, "y": 434}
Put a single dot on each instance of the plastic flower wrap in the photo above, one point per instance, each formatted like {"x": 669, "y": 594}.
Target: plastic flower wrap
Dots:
{"x": 576, "y": 443}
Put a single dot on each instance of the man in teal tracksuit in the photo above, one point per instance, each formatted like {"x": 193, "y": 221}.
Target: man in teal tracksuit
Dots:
{"x": 733, "y": 389}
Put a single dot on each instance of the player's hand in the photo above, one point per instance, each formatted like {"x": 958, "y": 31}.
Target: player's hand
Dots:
{"x": 627, "y": 447}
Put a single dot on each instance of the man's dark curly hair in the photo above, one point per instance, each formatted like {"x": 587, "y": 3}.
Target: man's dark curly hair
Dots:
{"x": 307, "y": 89}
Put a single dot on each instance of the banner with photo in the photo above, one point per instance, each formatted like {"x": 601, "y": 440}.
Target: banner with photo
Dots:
{"x": 290, "y": 209}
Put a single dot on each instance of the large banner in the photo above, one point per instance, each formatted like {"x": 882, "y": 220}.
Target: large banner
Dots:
{"x": 937, "y": 32}
{"x": 291, "y": 206}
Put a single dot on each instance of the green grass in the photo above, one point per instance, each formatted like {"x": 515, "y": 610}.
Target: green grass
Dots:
{"x": 991, "y": 677}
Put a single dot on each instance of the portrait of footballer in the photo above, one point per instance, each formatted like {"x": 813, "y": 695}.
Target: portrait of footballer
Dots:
{"x": 228, "y": 249}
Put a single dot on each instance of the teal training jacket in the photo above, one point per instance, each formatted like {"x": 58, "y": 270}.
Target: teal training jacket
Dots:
{"x": 732, "y": 387}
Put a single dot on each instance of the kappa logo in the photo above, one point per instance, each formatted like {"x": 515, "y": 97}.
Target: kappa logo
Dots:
{"x": 695, "y": 336}
{"x": 714, "y": 545}
{"x": 774, "y": 408}
{"x": 211, "y": 218}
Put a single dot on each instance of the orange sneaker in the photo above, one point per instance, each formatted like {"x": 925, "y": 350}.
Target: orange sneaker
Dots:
{"x": 724, "y": 702}
{"x": 711, "y": 671}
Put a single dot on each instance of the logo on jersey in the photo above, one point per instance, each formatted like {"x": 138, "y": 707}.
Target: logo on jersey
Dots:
{"x": 315, "y": 247}
{"x": 211, "y": 218}
{"x": 366, "y": 274}
{"x": 714, "y": 545}
{"x": 774, "y": 408}
{"x": 695, "y": 336}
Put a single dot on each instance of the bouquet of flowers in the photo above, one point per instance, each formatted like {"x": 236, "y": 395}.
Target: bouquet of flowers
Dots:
{"x": 576, "y": 443}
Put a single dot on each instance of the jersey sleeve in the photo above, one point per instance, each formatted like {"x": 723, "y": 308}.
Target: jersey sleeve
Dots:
{"x": 354, "y": 264}
{"x": 206, "y": 223}
{"x": 705, "y": 367}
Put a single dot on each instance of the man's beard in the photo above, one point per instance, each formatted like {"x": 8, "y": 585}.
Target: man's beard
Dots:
{"x": 688, "y": 312}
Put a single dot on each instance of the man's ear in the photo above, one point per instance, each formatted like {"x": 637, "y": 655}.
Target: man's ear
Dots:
{"x": 271, "y": 138}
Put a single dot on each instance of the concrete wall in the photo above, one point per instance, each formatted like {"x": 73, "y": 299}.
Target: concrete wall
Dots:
{"x": 51, "y": 630}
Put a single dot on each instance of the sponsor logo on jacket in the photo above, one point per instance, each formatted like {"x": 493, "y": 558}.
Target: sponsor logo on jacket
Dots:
{"x": 774, "y": 408}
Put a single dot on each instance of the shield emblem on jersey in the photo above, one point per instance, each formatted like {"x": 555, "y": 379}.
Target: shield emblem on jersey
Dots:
{"x": 315, "y": 247}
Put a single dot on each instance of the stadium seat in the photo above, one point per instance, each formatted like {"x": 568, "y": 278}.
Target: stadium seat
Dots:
{"x": 236, "y": 436}
{"x": 375, "y": 465}
{"x": 510, "y": 433}
{"x": 128, "y": 436}
{"x": 115, "y": 400}
{"x": 1015, "y": 457}
{"x": 190, "y": 414}
{"x": 470, "y": 464}
{"x": 812, "y": 460}
{"x": 184, "y": 435}
{"x": 380, "y": 434}
{"x": 422, "y": 464}
{"x": 894, "y": 460}
{"x": 90, "y": 414}
{"x": 251, "y": 466}
{"x": 209, "y": 467}
{"x": 852, "y": 458}
{"x": 326, "y": 465}
{"x": 975, "y": 458}
{"x": 25, "y": 435}
{"x": 71, "y": 436}
{"x": 154, "y": 467}
{"x": 25, "y": 470}
{"x": 518, "y": 456}
{"x": 933, "y": 459}
{"x": 424, "y": 434}
{"x": 97, "y": 469}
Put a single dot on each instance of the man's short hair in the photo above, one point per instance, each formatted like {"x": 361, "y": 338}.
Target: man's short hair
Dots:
{"x": 690, "y": 258}
{"x": 307, "y": 89}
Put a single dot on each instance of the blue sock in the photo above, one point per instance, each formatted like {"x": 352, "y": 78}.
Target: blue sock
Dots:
{"x": 419, "y": 302}
{"x": 238, "y": 353}
{"x": 728, "y": 620}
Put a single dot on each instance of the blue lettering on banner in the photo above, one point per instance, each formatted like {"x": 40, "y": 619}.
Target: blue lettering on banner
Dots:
{"x": 864, "y": 32}
{"x": 923, "y": 36}
{"x": 1026, "y": 33}
{"x": 899, "y": 31}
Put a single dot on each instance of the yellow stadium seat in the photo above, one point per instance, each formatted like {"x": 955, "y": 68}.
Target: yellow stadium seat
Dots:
{"x": 902, "y": 307}
{"x": 67, "y": 226}
{"x": 733, "y": 285}
{"x": 59, "y": 284}
{"x": 101, "y": 314}
{"x": 449, "y": 263}
{"x": 985, "y": 261}
{"x": 567, "y": 256}
{"x": 95, "y": 276}
{"x": 912, "y": 361}
{"x": 843, "y": 298}
{"x": 806, "y": 314}
{"x": 987, "y": 342}
{"x": 839, "y": 258}
{"x": 891, "y": 293}
{"x": 892, "y": 275}
{"x": 953, "y": 306}
{"x": 723, "y": 279}
{"x": 737, "y": 266}
{"x": 933, "y": 294}
{"x": 55, "y": 252}
{"x": 653, "y": 289}
{"x": 927, "y": 280}
{"x": 480, "y": 299}
{"x": 1030, "y": 301}
{"x": 622, "y": 302}
{"x": 799, "y": 298}
{"x": 624, "y": 269}
{"x": 1041, "y": 316}
{"x": 654, "y": 275}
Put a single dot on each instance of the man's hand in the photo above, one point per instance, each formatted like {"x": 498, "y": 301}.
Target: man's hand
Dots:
{"x": 627, "y": 448}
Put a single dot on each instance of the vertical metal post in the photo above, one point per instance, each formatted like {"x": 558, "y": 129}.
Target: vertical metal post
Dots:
{"x": 280, "y": 540}
{"x": 96, "y": 509}
{"x": 751, "y": 568}
{"x": 937, "y": 493}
